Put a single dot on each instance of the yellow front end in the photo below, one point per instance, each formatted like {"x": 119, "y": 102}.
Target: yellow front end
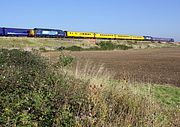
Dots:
{"x": 105, "y": 36}
{"x": 31, "y": 33}
{"x": 80, "y": 34}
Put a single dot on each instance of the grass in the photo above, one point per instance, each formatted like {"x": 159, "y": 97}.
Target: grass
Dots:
{"x": 28, "y": 42}
{"x": 167, "y": 95}
{"x": 35, "y": 92}
{"x": 76, "y": 44}
{"x": 100, "y": 46}
{"x": 111, "y": 46}
{"x": 163, "y": 99}
{"x": 74, "y": 48}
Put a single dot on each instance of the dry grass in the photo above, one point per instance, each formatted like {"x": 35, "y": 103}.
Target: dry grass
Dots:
{"x": 40, "y": 94}
{"x": 121, "y": 103}
{"x": 54, "y": 43}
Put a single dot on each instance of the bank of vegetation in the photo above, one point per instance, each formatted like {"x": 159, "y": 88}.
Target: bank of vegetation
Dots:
{"x": 50, "y": 44}
{"x": 35, "y": 92}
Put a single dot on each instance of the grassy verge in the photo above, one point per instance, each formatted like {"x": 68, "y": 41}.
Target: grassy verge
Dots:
{"x": 34, "y": 92}
{"x": 76, "y": 44}
{"x": 100, "y": 46}
{"x": 167, "y": 95}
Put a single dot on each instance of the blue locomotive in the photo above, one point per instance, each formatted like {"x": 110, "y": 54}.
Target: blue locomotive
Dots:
{"x": 39, "y": 32}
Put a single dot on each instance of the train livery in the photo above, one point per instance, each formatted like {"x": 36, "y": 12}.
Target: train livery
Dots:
{"x": 56, "y": 33}
{"x": 72, "y": 34}
{"x": 38, "y": 32}
{"x": 14, "y": 32}
{"x": 1, "y": 31}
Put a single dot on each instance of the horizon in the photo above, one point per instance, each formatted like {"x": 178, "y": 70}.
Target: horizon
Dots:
{"x": 141, "y": 18}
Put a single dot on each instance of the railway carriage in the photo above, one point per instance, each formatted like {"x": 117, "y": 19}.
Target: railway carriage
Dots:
{"x": 16, "y": 32}
{"x": 1, "y": 31}
{"x": 123, "y": 37}
{"x": 140, "y": 38}
{"x": 104, "y": 36}
{"x": 162, "y": 39}
{"x": 74, "y": 34}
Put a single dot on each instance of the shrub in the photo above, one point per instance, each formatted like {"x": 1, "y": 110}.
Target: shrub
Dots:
{"x": 33, "y": 93}
{"x": 60, "y": 48}
{"x": 24, "y": 89}
{"x": 74, "y": 48}
{"x": 65, "y": 60}
{"x": 111, "y": 46}
{"x": 42, "y": 49}
{"x": 21, "y": 69}
{"x": 104, "y": 45}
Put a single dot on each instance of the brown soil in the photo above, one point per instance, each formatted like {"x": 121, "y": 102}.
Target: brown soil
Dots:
{"x": 161, "y": 66}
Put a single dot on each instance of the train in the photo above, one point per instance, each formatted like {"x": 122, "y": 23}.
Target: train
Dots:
{"x": 57, "y": 33}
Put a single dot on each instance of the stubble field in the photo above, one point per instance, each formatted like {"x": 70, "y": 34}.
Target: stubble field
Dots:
{"x": 157, "y": 66}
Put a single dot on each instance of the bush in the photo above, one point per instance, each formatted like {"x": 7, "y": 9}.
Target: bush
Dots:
{"x": 74, "y": 48}
{"x": 34, "y": 93}
{"x": 104, "y": 45}
{"x": 60, "y": 48}
{"x": 42, "y": 49}
{"x": 24, "y": 89}
{"x": 21, "y": 70}
{"x": 65, "y": 60}
{"x": 110, "y": 46}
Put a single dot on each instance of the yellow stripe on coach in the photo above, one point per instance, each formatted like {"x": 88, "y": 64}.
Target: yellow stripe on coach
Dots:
{"x": 80, "y": 34}
{"x": 137, "y": 38}
{"x": 125, "y": 37}
{"x": 104, "y": 36}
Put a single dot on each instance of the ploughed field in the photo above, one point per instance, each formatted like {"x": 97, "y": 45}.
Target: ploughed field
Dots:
{"x": 159, "y": 66}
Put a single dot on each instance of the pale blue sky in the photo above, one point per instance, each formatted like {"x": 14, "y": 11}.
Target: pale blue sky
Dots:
{"x": 136, "y": 17}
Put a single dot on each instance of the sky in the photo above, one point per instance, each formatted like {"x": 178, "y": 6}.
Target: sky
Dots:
{"x": 159, "y": 18}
